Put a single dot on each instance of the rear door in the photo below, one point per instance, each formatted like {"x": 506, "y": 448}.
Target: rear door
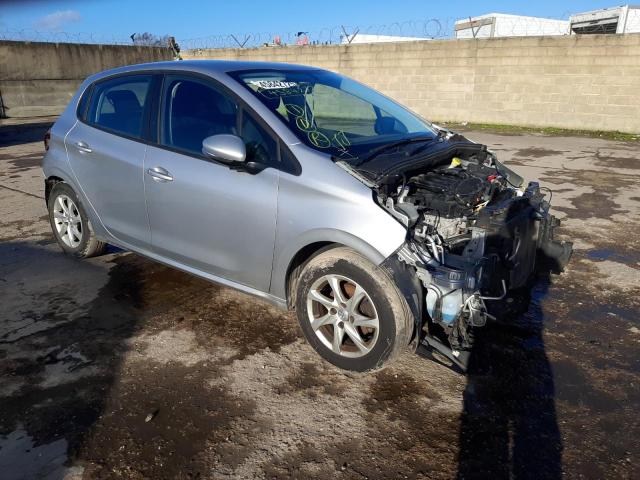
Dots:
{"x": 106, "y": 153}
{"x": 202, "y": 213}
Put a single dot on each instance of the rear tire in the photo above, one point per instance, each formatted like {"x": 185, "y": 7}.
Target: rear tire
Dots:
{"x": 365, "y": 325}
{"x": 70, "y": 224}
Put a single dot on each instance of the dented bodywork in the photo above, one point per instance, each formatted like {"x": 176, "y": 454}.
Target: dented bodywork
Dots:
{"x": 475, "y": 232}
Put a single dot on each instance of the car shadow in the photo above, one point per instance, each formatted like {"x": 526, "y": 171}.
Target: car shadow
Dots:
{"x": 21, "y": 133}
{"x": 64, "y": 330}
{"x": 111, "y": 366}
{"x": 508, "y": 426}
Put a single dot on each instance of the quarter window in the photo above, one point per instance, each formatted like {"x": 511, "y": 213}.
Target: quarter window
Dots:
{"x": 118, "y": 104}
{"x": 261, "y": 147}
{"x": 193, "y": 111}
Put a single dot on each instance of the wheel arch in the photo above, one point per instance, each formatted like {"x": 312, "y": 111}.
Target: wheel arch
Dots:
{"x": 292, "y": 259}
{"x": 55, "y": 176}
{"x": 49, "y": 182}
{"x": 405, "y": 280}
{"x": 297, "y": 263}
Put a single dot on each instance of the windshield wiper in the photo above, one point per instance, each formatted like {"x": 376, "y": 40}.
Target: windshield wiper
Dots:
{"x": 439, "y": 135}
{"x": 388, "y": 146}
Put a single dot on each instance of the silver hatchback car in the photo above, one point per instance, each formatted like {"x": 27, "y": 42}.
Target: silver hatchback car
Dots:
{"x": 305, "y": 188}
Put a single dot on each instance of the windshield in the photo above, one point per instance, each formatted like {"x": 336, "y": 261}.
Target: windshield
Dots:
{"x": 332, "y": 113}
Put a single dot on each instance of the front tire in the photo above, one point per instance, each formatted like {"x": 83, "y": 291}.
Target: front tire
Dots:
{"x": 70, "y": 224}
{"x": 351, "y": 311}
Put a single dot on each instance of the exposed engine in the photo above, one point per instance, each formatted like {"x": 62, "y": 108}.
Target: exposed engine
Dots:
{"x": 475, "y": 232}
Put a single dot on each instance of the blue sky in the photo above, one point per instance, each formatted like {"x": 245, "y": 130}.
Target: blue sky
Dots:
{"x": 187, "y": 19}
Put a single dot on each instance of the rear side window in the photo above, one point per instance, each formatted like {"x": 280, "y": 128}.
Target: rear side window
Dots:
{"x": 84, "y": 103}
{"x": 118, "y": 105}
{"x": 192, "y": 111}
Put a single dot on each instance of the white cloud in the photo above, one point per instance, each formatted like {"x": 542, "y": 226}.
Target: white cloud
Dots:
{"x": 57, "y": 20}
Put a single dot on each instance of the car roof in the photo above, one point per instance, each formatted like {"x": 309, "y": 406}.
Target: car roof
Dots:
{"x": 204, "y": 66}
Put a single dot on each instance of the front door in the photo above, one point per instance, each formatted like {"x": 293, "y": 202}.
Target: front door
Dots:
{"x": 203, "y": 214}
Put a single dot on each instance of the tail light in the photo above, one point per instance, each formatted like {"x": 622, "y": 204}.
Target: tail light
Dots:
{"x": 47, "y": 139}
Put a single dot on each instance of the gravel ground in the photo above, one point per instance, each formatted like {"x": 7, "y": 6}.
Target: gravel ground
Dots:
{"x": 117, "y": 367}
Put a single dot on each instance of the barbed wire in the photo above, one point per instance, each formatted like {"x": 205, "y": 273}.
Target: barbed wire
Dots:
{"x": 419, "y": 29}
{"x": 30, "y": 35}
{"x": 431, "y": 28}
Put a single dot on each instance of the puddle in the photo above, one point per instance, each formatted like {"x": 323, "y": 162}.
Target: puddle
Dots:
{"x": 22, "y": 459}
{"x": 21, "y": 163}
{"x": 601, "y": 254}
{"x": 632, "y": 163}
{"x": 589, "y": 205}
{"x": 538, "y": 152}
{"x": 65, "y": 366}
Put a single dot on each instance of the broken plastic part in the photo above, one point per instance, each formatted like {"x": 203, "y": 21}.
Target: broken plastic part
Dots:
{"x": 557, "y": 254}
{"x": 434, "y": 349}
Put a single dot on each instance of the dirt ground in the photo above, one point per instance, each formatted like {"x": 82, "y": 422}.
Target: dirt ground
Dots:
{"x": 117, "y": 367}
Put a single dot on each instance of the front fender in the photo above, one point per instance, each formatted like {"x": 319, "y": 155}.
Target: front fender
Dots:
{"x": 325, "y": 235}
{"x": 410, "y": 286}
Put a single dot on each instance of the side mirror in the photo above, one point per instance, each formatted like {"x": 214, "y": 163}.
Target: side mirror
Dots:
{"x": 225, "y": 148}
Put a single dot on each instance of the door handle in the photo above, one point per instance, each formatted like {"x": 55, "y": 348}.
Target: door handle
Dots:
{"x": 159, "y": 174}
{"x": 83, "y": 147}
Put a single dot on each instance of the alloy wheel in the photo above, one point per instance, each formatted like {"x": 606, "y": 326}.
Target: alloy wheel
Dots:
{"x": 343, "y": 316}
{"x": 68, "y": 223}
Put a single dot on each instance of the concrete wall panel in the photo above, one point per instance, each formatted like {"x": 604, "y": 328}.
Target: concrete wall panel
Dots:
{"x": 39, "y": 78}
{"x": 580, "y": 81}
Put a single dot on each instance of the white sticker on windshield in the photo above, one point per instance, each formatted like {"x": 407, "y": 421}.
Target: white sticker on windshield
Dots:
{"x": 273, "y": 84}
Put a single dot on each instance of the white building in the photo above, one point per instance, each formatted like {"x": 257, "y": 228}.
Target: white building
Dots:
{"x": 503, "y": 25}
{"x": 367, "y": 38}
{"x": 623, "y": 19}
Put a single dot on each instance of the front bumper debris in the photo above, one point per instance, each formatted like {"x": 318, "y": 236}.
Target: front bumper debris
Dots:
{"x": 465, "y": 286}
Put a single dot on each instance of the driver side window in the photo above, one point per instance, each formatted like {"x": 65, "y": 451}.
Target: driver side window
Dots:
{"x": 193, "y": 111}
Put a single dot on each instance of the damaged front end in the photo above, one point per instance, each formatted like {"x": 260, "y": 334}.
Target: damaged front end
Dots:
{"x": 476, "y": 232}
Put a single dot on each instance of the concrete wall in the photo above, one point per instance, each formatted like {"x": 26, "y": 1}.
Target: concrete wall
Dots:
{"x": 40, "y": 78}
{"x": 582, "y": 82}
